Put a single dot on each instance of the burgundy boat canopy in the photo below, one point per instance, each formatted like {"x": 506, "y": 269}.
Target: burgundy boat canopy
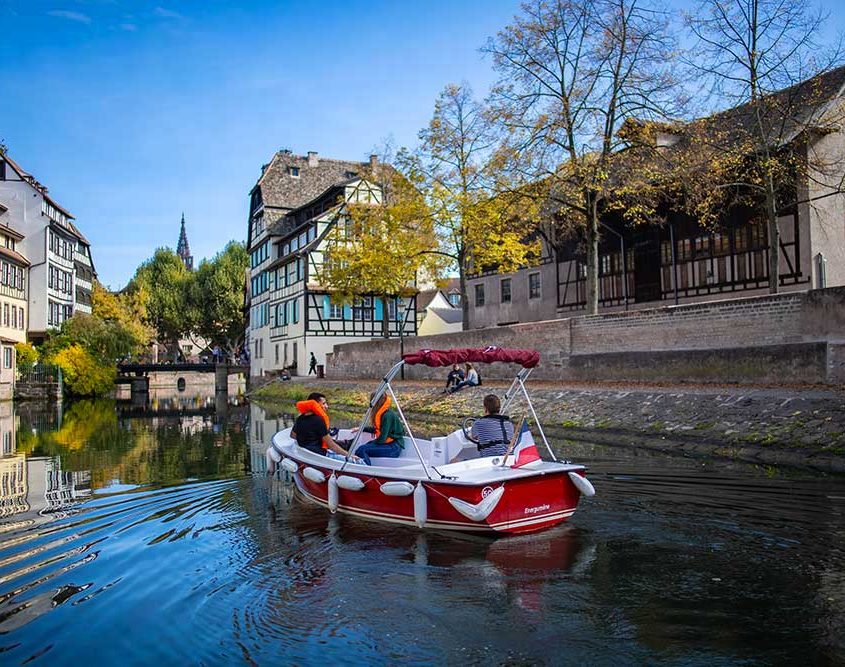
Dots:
{"x": 486, "y": 355}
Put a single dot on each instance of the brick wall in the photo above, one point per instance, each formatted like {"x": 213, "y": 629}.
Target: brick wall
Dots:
{"x": 755, "y": 339}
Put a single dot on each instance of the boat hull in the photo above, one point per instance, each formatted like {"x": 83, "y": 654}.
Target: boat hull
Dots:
{"x": 527, "y": 504}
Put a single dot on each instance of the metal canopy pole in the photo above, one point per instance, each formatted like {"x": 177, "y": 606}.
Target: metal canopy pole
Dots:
{"x": 536, "y": 420}
{"x": 385, "y": 383}
{"x": 524, "y": 373}
{"x": 410, "y": 434}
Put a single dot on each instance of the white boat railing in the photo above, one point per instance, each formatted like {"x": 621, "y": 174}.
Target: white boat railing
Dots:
{"x": 385, "y": 386}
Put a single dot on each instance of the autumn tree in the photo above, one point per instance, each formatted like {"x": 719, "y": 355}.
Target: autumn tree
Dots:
{"x": 571, "y": 73}
{"x": 126, "y": 309}
{"x": 764, "y": 58}
{"x": 481, "y": 220}
{"x": 382, "y": 238}
{"x": 215, "y": 298}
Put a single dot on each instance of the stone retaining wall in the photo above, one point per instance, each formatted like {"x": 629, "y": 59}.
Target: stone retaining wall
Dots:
{"x": 795, "y": 337}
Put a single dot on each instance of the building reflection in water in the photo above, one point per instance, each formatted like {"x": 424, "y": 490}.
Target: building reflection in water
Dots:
{"x": 263, "y": 424}
{"x": 35, "y": 486}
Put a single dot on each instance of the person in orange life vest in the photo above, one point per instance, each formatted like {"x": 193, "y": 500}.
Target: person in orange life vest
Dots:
{"x": 311, "y": 428}
{"x": 388, "y": 430}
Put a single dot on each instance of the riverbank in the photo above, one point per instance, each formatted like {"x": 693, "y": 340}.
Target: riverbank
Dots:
{"x": 798, "y": 427}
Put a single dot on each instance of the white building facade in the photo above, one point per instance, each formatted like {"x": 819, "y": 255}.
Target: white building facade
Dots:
{"x": 61, "y": 271}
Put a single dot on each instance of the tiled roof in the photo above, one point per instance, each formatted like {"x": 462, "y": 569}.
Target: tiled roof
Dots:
{"x": 5, "y": 229}
{"x": 785, "y": 113}
{"x": 35, "y": 184}
{"x": 279, "y": 189}
{"x": 11, "y": 254}
{"x": 449, "y": 315}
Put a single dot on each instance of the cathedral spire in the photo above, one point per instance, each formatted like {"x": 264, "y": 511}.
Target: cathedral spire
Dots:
{"x": 183, "y": 249}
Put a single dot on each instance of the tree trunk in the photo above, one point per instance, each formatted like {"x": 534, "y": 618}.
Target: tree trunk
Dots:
{"x": 462, "y": 280}
{"x": 592, "y": 285}
{"x": 774, "y": 238}
{"x": 385, "y": 318}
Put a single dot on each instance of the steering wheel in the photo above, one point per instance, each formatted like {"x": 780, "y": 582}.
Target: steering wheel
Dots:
{"x": 466, "y": 427}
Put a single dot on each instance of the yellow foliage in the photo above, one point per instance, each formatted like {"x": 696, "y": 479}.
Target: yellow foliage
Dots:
{"x": 26, "y": 355}
{"x": 83, "y": 374}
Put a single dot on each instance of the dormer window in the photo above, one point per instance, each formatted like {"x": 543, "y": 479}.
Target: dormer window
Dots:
{"x": 294, "y": 172}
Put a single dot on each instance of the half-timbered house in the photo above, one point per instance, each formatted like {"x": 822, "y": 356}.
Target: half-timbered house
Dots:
{"x": 297, "y": 201}
{"x": 680, "y": 261}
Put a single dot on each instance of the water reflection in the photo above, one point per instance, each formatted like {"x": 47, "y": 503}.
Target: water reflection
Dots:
{"x": 155, "y": 536}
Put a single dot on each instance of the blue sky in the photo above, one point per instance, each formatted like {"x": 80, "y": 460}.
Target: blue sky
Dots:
{"x": 133, "y": 111}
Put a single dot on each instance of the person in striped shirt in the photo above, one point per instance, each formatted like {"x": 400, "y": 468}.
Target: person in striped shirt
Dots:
{"x": 493, "y": 432}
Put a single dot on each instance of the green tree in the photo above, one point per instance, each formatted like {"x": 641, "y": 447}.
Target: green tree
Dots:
{"x": 163, "y": 283}
{"x": 126, "y": 309}
{"x": 107, "y": 341}
{"x": 215, "y": 297}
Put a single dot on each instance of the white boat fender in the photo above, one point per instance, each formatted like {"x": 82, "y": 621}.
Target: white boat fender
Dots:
{"x": 350, "y": 483}
{"x": 290, "y": 465}
{"x": 479, "y": 511}
{"x": 313, "y": 474}
{"x": 582, "y": 484}
{"x": 420, "y": 505}
{"x": 274, "y": 454}
{"x": 397, "y": 488}
{"x": 333, "y": 493}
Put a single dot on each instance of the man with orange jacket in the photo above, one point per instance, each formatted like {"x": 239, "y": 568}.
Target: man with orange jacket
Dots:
{"x": 311, "y": 428}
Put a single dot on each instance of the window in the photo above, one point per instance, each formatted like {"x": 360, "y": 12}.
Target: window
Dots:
{"x": 455, "y": 298}
{"x": 335, "y": 311}
{"x": 14, "y": 317}
{"x": 277, "y": 354}
{"x": 7, "y": 357}
{"x": 6, "y": 316}
{"x": 534, "y": 285}
{"x": 479, "y": 295}
{"x": 294, "y": 172}
{"x": 2, "y": 170}
{"x": 362, "y": 309}
{"x": 506, "y": 290}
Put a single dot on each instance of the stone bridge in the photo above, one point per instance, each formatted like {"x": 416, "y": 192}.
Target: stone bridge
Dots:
{"x": 141, "y": 377}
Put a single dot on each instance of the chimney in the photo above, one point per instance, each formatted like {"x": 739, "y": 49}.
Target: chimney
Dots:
{"x": 313, "y": 160}
{"x": 373, "y": 162}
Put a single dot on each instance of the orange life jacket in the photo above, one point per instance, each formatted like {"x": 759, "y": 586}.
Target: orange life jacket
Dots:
{"x": 378, "y": 415}
{"x": 315, "y": 407}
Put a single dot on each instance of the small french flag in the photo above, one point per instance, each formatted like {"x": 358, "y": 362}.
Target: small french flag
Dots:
{"x": 525, "y": 451}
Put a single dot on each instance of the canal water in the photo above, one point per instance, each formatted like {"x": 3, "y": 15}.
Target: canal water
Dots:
{"x": 139, "y": 536}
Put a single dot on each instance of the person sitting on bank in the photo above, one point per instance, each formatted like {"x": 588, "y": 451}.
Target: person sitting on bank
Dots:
{"x": 472, "y": 379}
{"x": 456, "y": 375}
{"x": 311, "y": 428}
{"x": 388, "y": 429}
{"x": 492, "y": 432}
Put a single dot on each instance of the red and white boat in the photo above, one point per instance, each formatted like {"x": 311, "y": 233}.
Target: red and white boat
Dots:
{"x": 443, "y": 483}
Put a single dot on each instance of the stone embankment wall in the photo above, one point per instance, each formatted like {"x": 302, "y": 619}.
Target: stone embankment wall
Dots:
{"x": 777, "y": 339}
